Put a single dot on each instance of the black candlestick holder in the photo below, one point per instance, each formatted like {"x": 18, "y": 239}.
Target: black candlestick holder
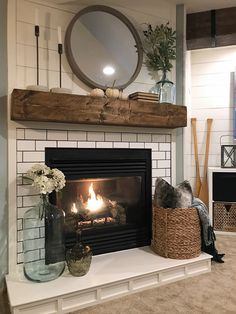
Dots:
{"x": 60, "y": 52}
{"x": 60, "y": 89}
{"x": 37, "y": 87}
{"x": 36, "y": 33}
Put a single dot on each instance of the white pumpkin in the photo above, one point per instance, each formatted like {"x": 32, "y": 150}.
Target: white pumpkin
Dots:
{"x": 97, "y": 92}
{"x": 123, "y": 96}
{"x": 112, "y": 92}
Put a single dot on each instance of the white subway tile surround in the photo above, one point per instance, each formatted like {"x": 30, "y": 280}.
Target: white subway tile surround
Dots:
{"x": 31, "y": 144}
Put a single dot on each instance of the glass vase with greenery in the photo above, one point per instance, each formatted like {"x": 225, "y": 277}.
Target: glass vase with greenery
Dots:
{"x": 159, "y": 46}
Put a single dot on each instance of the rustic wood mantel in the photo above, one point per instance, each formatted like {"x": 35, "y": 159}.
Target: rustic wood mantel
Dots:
{"x": 28, "y": 105}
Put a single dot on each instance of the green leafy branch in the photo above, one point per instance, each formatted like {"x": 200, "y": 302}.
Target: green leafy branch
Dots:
{"x": 159, "y": 47}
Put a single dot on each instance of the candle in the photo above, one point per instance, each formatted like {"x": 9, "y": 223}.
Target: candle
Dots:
{"x": 36, "y": 17}
{"x": 59, "y": 35}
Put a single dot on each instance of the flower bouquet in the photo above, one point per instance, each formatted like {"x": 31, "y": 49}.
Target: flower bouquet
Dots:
{"x": 43, "y": 227}
{"x": 46, "y": 180}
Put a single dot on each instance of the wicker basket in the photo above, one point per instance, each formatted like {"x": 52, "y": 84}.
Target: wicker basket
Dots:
{"x": 224, "y": 217}
{"x": 176, "y": 232}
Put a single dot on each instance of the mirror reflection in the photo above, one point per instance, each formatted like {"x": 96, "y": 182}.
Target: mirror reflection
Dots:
{"x": 103, "y": 48}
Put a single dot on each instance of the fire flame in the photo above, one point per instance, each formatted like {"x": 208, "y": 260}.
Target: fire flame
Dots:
{"x": 94, "y": 202}
{"x": 74, "y": 209}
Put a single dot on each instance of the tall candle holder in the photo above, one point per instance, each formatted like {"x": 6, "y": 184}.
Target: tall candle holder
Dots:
{"x": 36, "y": 33}
{"x": 37, "y": 87}
{"x": 60, "y": 52}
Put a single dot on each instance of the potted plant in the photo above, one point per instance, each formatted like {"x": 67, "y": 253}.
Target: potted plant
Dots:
{"x": 159, "y": 49}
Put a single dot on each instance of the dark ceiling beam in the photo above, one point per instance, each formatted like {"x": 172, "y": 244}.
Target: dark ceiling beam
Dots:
{"x": 209, "y": 29}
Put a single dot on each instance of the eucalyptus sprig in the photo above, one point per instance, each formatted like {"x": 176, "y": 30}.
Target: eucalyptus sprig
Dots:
{"x": 159, "y": 47}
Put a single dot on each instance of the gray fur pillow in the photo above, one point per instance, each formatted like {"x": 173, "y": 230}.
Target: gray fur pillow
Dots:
{"x": 167, "y": 196}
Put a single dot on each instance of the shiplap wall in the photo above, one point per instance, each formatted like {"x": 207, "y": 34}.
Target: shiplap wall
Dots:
{"x": 22, "y": 72}
{"x": 211, "y": 96}
{"x": 50, "y": 17}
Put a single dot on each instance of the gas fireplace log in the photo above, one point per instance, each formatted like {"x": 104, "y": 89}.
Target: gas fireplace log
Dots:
{"x": 112, "y": 212}
{"x": 29, "y": 105}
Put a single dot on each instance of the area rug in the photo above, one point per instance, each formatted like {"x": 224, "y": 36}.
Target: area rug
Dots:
{"x": 213, "y": 292}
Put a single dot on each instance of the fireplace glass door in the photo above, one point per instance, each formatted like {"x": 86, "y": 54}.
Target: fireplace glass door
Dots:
{"x": 108, "y": 199}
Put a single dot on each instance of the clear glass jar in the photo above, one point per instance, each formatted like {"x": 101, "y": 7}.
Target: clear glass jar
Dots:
{"x": 43, "y": 241}
{"x": 165, "y": 89}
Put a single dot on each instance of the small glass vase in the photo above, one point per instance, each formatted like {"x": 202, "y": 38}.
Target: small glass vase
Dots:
{"x": 165, "y": 89}
{"x": 43, "y": 241}
{"x": 79, "y": 257}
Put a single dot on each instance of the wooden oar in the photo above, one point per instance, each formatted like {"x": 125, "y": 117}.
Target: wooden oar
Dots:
{"x": 203, "y": 194}
{"x": 198, "y": 178}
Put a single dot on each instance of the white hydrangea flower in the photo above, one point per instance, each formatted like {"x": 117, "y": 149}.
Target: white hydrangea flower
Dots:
{"x": 37, "y": 170}
{"x": 58, "y": 178}
{"x": 46, "y": 180}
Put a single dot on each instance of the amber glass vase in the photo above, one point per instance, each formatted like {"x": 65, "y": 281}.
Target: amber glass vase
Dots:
{"x": 79, "y": 257}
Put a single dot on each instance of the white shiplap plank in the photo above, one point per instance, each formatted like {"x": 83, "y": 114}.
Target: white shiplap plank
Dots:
{"x": 47, "y": 39}
{"x": 213, "y": 67}
{"x": 216, "y": 79}
{"x": 216, "y": 55}
{"x": 211, "y": 91}
{"x": 210, "y": 102}
{"x": 48, "y": 16}
{"x": 218, "y": 125}
{"x": 48, "y": 59}
{"x": 27, "y": 76}
{"x": 215, "y": 137}
{"x": 216, "y": 114}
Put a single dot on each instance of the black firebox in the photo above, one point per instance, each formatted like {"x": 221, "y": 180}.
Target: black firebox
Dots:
{"x": 107, "y": 196}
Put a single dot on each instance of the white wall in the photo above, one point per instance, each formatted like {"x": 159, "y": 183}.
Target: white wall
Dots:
{"x": 3, "y": 144}
{"x": 211, "y": 96}
{"x": 22, "y": 72}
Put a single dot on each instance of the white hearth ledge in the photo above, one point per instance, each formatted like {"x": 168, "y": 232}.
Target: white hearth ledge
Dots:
{"x": 111, "y": 275}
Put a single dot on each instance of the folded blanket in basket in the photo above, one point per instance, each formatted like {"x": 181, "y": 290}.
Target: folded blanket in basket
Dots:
{"x": 181, "y": 196}
{"x": 208, "y": 235}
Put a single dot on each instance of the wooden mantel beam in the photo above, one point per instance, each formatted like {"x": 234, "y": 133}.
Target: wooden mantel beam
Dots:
{"x": 27, "y": 105}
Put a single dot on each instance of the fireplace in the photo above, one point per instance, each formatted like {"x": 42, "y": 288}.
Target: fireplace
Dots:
{"x": 107, "y": 195}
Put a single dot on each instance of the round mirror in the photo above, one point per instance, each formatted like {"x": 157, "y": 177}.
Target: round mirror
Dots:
{"x": 103, "y": 48}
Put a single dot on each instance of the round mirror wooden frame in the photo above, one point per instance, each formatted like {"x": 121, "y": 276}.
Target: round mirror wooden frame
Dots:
{"x": 136, "y": 47}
